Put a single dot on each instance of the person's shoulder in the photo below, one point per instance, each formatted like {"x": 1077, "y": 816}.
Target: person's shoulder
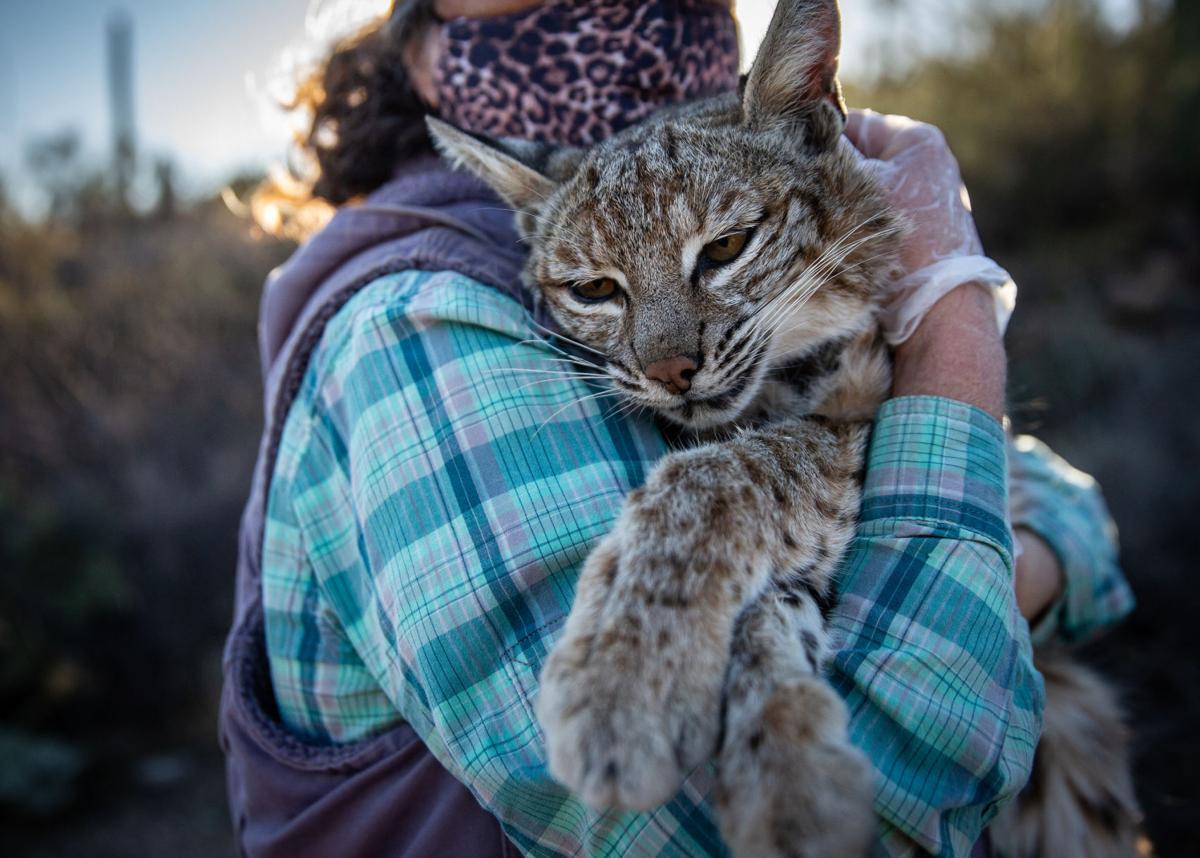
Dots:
{"x": 402, "y": 308}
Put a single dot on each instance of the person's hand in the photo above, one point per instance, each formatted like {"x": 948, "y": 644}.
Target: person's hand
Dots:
{"x": 917, "y": 169}
{"x": 941, "y": 315}
{"x": 920, "y": 175}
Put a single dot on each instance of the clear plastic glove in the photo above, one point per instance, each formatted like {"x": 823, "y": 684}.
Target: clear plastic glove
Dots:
{"x": 921, "y": 177}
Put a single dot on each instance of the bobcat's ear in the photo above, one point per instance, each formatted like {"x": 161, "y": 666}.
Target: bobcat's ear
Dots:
{"x": 793, "y": 83}
{"x": 506, "y": 166}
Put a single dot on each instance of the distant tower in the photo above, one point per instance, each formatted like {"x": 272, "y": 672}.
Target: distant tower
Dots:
{"x": 120, "y": 93}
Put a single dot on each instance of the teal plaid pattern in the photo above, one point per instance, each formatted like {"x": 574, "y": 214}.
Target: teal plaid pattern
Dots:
{"x": 933, "y": 657}
{"x": 1064, "y": 507}
{"x": 437, "y": 489}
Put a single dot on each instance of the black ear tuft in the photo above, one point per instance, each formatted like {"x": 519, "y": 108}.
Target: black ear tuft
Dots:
{"x": 793, "y": 83}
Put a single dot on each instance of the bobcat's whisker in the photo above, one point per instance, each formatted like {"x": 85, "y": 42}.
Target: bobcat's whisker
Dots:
{"x": 627, "y": 407}
{"x": 614, "y": 370}
{"x": 573, "y": 402}
{"x": 826, "y": 262}
{"x": 566, "y": 357}
{"x": 576, "y": 362}
{"x": 794, "y": 304}
{"x": 816, "y": 276}
{"x": 531, "y": 371}
{"x": 569, "y": 358}
{"x": 826, "y": 253}
{"x": 771, "y": 307}
{"x": 565, "y": 337}
{"x": 631, "y": 407}
{"x": 534, "y": 383}
{"x": 543, "y": 382}
{"x": 553, "y": 376}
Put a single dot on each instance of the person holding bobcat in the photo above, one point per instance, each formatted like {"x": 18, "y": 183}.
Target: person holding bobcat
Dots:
{"x": 417, "y": 524}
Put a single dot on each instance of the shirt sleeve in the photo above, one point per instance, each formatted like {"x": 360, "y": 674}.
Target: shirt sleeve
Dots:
{"x": 933, "y": 657}
{"x": 1064, "y": 507}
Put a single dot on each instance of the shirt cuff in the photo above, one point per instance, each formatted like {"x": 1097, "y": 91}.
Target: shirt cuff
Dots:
{"x": 940, "y": 461}
{"x": 1046, "y": 628}
{"x": 1064, "y": 507}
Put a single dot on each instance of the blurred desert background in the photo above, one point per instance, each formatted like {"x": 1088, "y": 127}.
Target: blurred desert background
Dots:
{"x": 130, "y": 134}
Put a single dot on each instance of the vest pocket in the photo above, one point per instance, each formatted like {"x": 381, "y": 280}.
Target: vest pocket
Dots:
{"x": 251, "y": 704}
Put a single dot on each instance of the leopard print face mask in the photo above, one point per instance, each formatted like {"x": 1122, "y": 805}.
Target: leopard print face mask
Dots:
{"x": 578, "y": 72}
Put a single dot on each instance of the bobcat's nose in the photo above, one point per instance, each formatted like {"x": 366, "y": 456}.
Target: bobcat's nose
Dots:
{"x": 675, "y": 373}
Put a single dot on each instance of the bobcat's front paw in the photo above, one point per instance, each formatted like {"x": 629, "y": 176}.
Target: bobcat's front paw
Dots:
{"x": 630, "y": 696}
{"x": 791, "y": 784}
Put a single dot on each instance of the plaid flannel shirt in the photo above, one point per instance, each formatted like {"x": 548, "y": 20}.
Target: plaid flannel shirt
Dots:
{"x": 437, "y": 489}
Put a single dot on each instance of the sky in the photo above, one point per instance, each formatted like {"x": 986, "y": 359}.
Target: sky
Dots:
{"x": 202, "y": 71}
{"x": 191, "y": 61}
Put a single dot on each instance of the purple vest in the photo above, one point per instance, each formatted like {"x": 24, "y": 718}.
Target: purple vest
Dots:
{"x": 386, "y": 795}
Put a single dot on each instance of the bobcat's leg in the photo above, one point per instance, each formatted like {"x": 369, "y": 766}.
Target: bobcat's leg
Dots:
{"x": 630, "y": 696}
{"x": 789, "y": 783}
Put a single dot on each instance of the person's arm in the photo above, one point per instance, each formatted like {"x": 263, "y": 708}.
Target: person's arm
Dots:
{"x": 1067, "y": 581}
{"x": 955, "y": 353}
{"x": 935, "y": 660}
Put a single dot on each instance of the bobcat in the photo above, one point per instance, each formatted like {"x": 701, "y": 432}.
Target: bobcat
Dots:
{"x": 721, "y": 264}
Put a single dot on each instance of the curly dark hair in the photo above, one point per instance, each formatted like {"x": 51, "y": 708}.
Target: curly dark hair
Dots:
{"x": 365, "y": 118}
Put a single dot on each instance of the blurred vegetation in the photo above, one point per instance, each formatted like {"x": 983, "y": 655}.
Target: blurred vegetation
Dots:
{"x": 1067, "y": 128}
{"x": 128, "y": 417}
{"x": 129, "y": 412}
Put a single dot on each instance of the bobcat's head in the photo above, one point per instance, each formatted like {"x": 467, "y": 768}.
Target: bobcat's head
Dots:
{"x": 715, "y": 241}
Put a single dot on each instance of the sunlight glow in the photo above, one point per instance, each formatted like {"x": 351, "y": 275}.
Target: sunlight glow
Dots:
{"x": 753, "y": 17}
{"x": 330, "y": 20}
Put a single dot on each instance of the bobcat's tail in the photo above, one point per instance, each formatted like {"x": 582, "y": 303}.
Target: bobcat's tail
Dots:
{"x": 1079, "y": 800}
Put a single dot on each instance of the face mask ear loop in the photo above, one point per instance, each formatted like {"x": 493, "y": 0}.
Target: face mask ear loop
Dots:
{"x": 408, "y": 18}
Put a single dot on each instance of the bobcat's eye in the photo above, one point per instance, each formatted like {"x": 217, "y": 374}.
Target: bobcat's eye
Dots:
{"x": 726, "y": 248}
{"x": 595, "y": 291}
